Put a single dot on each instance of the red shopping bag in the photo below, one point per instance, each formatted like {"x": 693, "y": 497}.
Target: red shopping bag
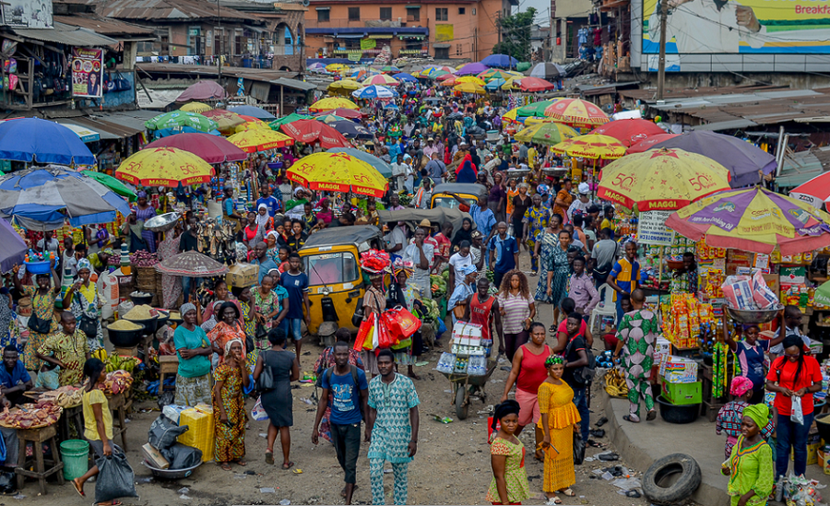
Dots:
{"x": 364, "y": 335}
{"x": 401, "y": 322}
{"x": 384, "y": 338}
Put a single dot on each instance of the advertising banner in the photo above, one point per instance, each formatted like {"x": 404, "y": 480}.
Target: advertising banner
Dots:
{"x": 745, "y": 27}
{"x": 87, "y": 72}
{"x": 652, "y": 229}
{"x": 27, "y": 13}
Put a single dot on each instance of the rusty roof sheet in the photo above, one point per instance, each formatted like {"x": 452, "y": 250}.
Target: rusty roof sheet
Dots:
{"x": 264, "y": 75}
{"x": 173, "y": 10}
{"x": 110, "y": 27}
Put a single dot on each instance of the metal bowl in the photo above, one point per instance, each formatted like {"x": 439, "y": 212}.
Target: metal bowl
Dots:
{"x": 753, "y": 316}
{"x": 162, "y": 222}
{"x": 171, "y": 474}
{"x": 554, "y": 171}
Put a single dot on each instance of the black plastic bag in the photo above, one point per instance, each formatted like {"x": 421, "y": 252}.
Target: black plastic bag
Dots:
{"x": 181, "y": 457}
{"x": 579, "y": 449}
{"x": 115, "y": 478}
{"x": 166, "y": 398}
{"x": 8, "y": 483}
{"x": 163, "y": 433}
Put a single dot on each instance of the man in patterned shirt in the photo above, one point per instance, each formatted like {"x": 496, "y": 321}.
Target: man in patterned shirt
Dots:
{"x": 636, "y": 334}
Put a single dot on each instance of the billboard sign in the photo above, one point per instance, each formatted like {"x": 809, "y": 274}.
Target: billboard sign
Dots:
{"x": 87, "y": 72}
{"x": 27, "y": 13}
{"x": 738, "y": 27}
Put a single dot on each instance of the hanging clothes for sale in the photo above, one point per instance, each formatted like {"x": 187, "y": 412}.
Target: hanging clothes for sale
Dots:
{"x": 582, "y": 36}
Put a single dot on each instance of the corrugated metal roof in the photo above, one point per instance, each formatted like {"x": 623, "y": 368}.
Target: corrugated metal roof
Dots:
{"x": 801, "y": 167}
{"x": 170, "y": 9}
{"x": 104, "y": 26}
{"x": 66, "y": 34}
{"x": 725, "y": 125}
{"x": 293, "y": 83}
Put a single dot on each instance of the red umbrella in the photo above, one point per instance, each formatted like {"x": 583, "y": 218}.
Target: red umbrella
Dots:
{"x": 535, "y": 84}
{"x": 210, "y": 148}
{"x": 649, "y": 142}
{"x": 629, "y": 131}
{"x": 203, "y": 90}
{"x": 343, "y": 113}
{"x": 309, "y": 131}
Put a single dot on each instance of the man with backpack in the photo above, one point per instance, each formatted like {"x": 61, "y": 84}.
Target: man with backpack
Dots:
{"x": 636, "y": 334}
{"x": 349, "y": 392}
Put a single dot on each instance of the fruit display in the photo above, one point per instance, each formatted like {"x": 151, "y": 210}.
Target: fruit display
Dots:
{"x": 121, "y": 362}
{"x": 65, "y": 396}
{"x": 117, "y": 382}
{"x": 142, "y": 258}
{"x": 439, "y": 284}
{"x": 615, "y": 383}
{"x": 31, "y": 416}
{"x": 433, "y": 311}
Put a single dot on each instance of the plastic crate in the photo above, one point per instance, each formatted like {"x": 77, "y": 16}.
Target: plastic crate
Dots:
{"x": 682, "y": 394}
{"x": 201, "y": 434}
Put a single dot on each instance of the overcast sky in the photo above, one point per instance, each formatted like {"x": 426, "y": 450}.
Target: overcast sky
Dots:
{"x": 542, "y": 10}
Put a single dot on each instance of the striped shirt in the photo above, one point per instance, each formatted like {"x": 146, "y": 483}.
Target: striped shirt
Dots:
{"x": 516, "y": 311}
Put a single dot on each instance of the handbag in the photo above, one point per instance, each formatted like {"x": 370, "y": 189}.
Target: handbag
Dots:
{"x": 88, "y": 326}
{"x": 364, "y": 331}
{"x": 357, "y": 317}
{"x": 459, "y": 311}
{"x": 266, "y": 377}
{"x": 579, "y": 449}
{"x": 39, "y": 325}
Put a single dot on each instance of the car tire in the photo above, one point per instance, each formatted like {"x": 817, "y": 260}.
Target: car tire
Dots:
{"x": 672, "y": 479}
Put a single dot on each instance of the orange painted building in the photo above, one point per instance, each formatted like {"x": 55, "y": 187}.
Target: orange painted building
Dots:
{"x": 462, "y": 29}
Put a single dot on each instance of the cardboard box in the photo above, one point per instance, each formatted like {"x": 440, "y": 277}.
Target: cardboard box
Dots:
{"x": 812, "y": 453}
{"x": 772, "y": 282}
{"x": 242, "y": 275}
{"x": 823, "y": 461}
{"x": 662, "y": 348}
{"x": 683, "y": 394}
{"x": 153, "y": 456}
{"x": 675, "y": 369}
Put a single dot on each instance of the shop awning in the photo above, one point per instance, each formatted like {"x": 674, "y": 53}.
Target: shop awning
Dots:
{"x": 383, "y": 36}
{"x": 293, "y": 83}
{"x": 86, "y": 134}
{"x": 350, "y": 36}
{"x": 409, "y": 36}
{"x": 413, "y": 6}
{"x": 322, "y": 8}
{"x": 66, "y": 34}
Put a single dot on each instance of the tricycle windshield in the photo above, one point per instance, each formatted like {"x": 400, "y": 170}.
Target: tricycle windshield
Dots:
{"x": 447, "y": 202}
{"x": 331, "y": 268}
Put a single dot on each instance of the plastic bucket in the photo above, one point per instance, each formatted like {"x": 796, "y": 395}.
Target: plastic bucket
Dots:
{"x": 75, "y": 456}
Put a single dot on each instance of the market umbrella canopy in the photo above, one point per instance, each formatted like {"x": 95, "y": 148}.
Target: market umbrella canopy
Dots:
{"x": 491, "y": 74}
{"x": 344, "y": 84}
{"x": 338, "y": 172}
{"x": 197, "y": 107}
{"x": 576, "y": 112}
{"x": 404, "y": 77}
{"x": 449, "y": 82}
{"x": 471, "y": 69}
{"x": 535, "y": 84}
{"x": 822, "y": 295}
{"x": 630, "y": 131}
{"x": 251, "y": 123}
{"x": 742, "y": 158}
{"x": 192, "y": 264}
{"x": 113, "y": 184}
{"x": 390, "y": 68}
{"x": 661, "y": 180}
{"x": 470, "y": 88}
{"x": 545, "y": 71}
{"x": 591, "y": 146}
{"x": 178, "y": 119}
{"x": 225, "y": 120}
{"x": 815, "y": 191}
{"x": 336, "y": 67}
{"x": 259, "y": 139}
{"x": 330, "y": 103}
{"x": 753, "y": 219}
{"x": 43, "y": 197}
{"x": 500, "y": 60}
{"x": 351, "y": 130}
{"x": 275, "y": 125}
{"x": 164, "y": 166}
{"x": 382, "y": 79}
{"x": 328, "y": 118}
{"x": 38, "y": 140}
{"x": 384, "y": 168}
{"x": 470, "y": 79}
{"x": 309, "y": 131}
{"x": 209, "y": 148}
{"x": 495, "y": 84}
{"x": 548, "y": 134}
{"x": 374, "y": 91}
{"x": 167, "y": 132}
{"x": 203, "y": 90}
{"x": 343, "y": 113}
{"x": 649, "y": 142}
{"x": 256, "y": 112}
{"x": 536, "y": 108}
{"x": 13, "y": 248}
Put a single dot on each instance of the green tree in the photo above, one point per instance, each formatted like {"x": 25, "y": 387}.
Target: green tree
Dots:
{"x": 516, "y": 35}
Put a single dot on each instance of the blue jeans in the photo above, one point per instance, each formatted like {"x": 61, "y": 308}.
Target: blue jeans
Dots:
{"x": 791, "y": 435}
{"x": 293, "y": 328}
{"x": 189, "y": 283}
{"x": 581, "y": 401}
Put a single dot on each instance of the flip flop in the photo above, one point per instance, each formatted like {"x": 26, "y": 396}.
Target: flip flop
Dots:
{"x": 241, "y": 463}
{"x": 114, "y": 502}
{"x": 287, "y": 465}
{"x": 651, "y": 415}
{"x": 628, "y": 418}
{"x": 602, "y": 421}
{"x": 269, "y": 458}
{"x": 78, "y": 489}
{"x": 225, "y": 466}
{"x": 567, "y": 492}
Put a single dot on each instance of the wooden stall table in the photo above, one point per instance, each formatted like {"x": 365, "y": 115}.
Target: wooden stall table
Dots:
{"x": 69, "y": 417}
{"x": 118, "y": 405}
{"x": 168, "y": 364}
{"x": 37, "y": 437}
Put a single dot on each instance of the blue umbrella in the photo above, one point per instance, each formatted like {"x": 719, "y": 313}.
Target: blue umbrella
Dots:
{"x": 391, "y": 105}
{"x": 42, "y": 198}
{"x": 167, "y": 132}
{"x": 500, "y": 60}
{"x": 374, "y": 91}
{"x": 351, "y": 130}
{"x": 494, "y": 84}
{"x": 38, "y": 140}
{"x": 403, "y": 76}
{"x": 12, "y": 247}
{"x": 255, "y": 112}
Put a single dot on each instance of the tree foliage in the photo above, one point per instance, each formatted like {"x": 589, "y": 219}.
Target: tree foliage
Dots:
{"x": 516, "y": 31}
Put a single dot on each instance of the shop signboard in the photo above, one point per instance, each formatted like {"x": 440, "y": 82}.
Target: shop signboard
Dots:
{"x": 652, "y": 229}
{"x": 87, "y": 72}
{"x": 27, "y": 13}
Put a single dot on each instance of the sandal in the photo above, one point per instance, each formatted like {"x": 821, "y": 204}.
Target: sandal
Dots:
{"x": 225, "y": 466}
{"x": 567, "y": 492}
{"x": 79, "y": 489}
{"x": 631, "y": 418}
{"x": 240, "y": 463}
{"x": 552, "y": 328}
{"x": 287, "y": 465}
{"x": 593, "y": 444}
{"x": 269, "y": 457}
{"x": 652, "y": 414}
{"x": 553, "y": 501}
{"x": 114, "y": 502}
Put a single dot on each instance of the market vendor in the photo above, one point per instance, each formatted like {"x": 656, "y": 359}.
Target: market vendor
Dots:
{"x": 68, "y": 349}
{"x": 792, "y": 323}
{"x": 228, "y": 207}
{"x": 194, "y": 350}
{"x": 10, "y": 439}
{"x": 689, "y": 272}
{"x": 14, "y": 379}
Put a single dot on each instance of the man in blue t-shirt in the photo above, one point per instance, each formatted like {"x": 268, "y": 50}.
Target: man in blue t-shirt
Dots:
{"x": 14, "y": 379}
{"x": 269, "y": 200}
{"x": 504, "y": 253}
{"x": 346, "y": 386}
{"x": 295, "y": 283}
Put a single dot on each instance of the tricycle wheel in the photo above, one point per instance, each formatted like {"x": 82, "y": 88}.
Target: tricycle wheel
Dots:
{"x": 461, "y": 404}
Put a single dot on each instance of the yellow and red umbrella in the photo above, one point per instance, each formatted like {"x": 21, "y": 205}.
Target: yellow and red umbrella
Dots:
{"x": 164, "y": 166}
{"x": 382, "y": 79}
{"x": 576, "y": 112}
{"x": 470, "y": 79}
{"x": 338, "y": 172}
{"x": 259, "y": 139}
{"x": 591, "y": 146}
{"x": 469, "y": 88}
{"x": 329, "y": 103}
{"x": 197, "y": 107}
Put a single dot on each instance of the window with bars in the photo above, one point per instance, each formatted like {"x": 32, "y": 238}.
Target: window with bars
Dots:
{"x": 442, "y": 14}
{"x": 386, "y": 13}
{"x": 354, "y": 13}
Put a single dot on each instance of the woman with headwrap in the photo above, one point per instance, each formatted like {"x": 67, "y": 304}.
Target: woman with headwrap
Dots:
{"x": 228, "y": 328}
{"x": 731, "y": 414}
{"x": 85, "y": 305}
{"x": 194, "y": 351}
{"x": 263, "y": 220}
{"x": 750, "y": 466}
{"x": 42, "y": 322}
{"x": 559, "y": 415}
{"x": 231, "y": 377}
{"x": 143, "y": 212}
{"x": 507, "y": 457}
{"x": 793, "y": 375}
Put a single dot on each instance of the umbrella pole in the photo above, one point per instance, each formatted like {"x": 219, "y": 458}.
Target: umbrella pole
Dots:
{"x": 660, "y": 269}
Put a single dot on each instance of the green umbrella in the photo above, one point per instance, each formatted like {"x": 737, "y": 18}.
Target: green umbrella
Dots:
{"x": 534, "y": 109}
{"x": 330, "y": 118}
{"x": 111, "y": 183}
{"x": 180, "y": 119}
{"x": 277, "y": 123}
{"x": 822, "y": 296}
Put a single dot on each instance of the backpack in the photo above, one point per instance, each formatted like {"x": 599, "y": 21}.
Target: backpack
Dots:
{"x": 583, "y": 375}
{"x": 328, "y": 372}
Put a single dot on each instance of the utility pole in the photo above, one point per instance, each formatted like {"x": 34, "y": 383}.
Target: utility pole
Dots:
{"x": 221, "y": 42}
{"x": 661, "y": 63}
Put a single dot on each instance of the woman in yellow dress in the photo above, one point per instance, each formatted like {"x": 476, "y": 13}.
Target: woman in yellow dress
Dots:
{"x": 558, "y": 423}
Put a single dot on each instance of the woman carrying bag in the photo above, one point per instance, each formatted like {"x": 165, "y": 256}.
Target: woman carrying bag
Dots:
{"x": 280, "y": 367}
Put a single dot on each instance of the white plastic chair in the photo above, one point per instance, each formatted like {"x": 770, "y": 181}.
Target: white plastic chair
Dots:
{"x": 606, "y": 307}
